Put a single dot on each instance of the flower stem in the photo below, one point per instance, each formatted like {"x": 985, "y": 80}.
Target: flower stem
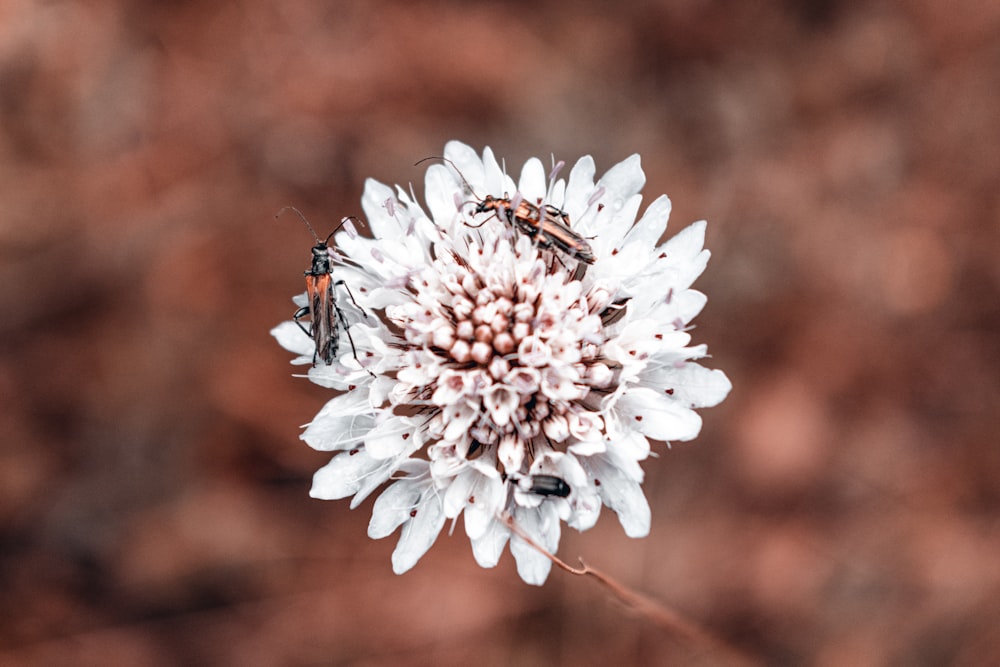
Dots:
{"x": 658, "y": 614}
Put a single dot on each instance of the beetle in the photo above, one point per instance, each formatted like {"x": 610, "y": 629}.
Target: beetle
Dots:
{"x": 549, "y": 485}
{"x": 542, "y": 485}
{"x": 325, "y": 315}
{"x": 547, "y": 225}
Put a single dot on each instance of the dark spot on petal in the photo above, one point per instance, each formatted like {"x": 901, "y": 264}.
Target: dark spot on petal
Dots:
{"x": 615, "y": 251}
{"x": 472, "y": 500}
{"x": 669, "y": 392}
{"x": 659, "y": 336}
{"x": 353, "y": 452}
{"x": 638, "y": 418}
{"x": 663, "y": 255}
{"x": 352, "y": 387}
{"x": 632, "y": 352}
{"x": 413, "y": 513}
{"x": 597, "y": 482}
{"x": 406, "y": 436}
{"x": 600, "y": 207}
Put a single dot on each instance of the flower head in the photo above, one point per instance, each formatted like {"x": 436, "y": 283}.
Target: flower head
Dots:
{"x": 519, "y": 357}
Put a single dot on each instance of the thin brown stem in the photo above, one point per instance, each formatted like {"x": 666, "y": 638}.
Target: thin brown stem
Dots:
{"x": 655, "y": 612}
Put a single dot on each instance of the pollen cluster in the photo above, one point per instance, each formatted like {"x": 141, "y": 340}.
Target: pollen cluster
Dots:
{"x": 505, "y": 347}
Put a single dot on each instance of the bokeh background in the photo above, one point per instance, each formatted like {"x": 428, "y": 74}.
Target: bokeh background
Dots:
{"x": 840, "y": 508}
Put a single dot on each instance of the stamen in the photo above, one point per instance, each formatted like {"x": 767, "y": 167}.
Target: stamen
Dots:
{"x": 515, "y": 201}
{"x": 348, "y": 226}
{"x": 556, "y": 169}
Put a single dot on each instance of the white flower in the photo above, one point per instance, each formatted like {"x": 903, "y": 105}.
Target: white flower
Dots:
{"x": 501, "y": 374}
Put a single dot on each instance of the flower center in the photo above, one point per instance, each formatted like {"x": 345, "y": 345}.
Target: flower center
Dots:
{"x": 508, "y": 348}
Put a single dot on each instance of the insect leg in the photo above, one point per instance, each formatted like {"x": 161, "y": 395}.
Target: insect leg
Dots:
{"x": 299, "y": 314}
{"x": 480, "y": 224}
{"x": 348, "y": 290}
{"x": 350, "y": 338}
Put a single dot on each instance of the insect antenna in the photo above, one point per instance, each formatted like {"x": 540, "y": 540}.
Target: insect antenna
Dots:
{"x": 301, "y": 217}
{"x": 351, "y": 230}
{"x": 457, "y": 171}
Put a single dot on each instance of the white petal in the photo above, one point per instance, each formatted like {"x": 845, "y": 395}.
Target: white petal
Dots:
{"x": 383, "y": 225}
{"x": 394, "y": 437}
{"x": 626, "y": 450}
{"x": 674, "y": 306}
{"x": 488, "y": 548}
{"x": 675, "y": 265}
{"x": 556, "y": 195}
{"x": 419, "y": 533}
{"x": 459, "y": 491}
{"x": 658, "y": 416}
{"x": 439, "y": 193}
{"x": 477, "y": 489}
{"x": 688, "y": 243}
{"x": 640, "y": 339}
{"x": 695, "y": 386}
{"x": 376, "y": 478}
{"x": 532, "y": 566}
{"x": 621, "y": 200}
{"x": 586, "y": 507}
{"x": 489, "y": 495}
{"x": 588, "y": 447}
{"x": 580, "y": 187}
{"x": 542, "y": 525}
{"x": 338, "y": 376}
{"x": 609, "y": 228}
{"x": 392, "y": 508}
{"x": 467, "y": 162}
{"x": 620, "y": 493}
{"x": 341, "y": 424}
{"x": 291, "y": 337}
{"x": 495, "y": 179}
{"x": 532, "y": 184}
{"x": 624, "y": 179}
{"x": 651, "y": 226}
{"x": 345, "y": 474}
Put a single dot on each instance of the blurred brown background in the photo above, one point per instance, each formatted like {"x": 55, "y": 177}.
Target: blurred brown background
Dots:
{"x": 840, "y": 508}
